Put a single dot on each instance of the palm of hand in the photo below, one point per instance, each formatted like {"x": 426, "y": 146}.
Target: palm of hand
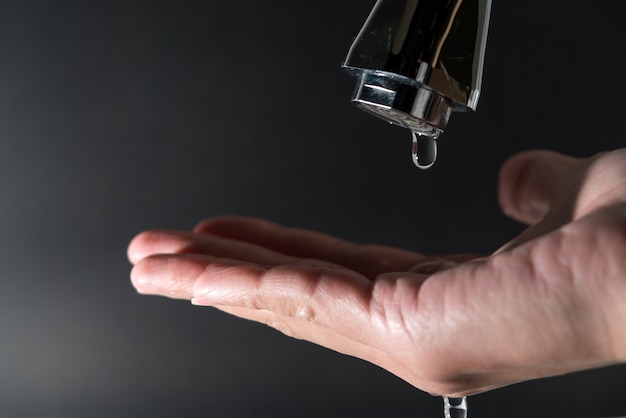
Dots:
{"x": 546, "y": 303}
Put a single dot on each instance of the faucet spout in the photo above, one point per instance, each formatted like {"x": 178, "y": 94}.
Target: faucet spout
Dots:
{"x": 417, "y": 61}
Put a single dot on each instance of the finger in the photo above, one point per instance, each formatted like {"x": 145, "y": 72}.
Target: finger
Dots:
{"x": 177, "y": 275}
{"x": 154, "y": 242}
{"x": 531, "y": 182}
{"x": 370, "y": 260}
{"x": 320, "y": 293}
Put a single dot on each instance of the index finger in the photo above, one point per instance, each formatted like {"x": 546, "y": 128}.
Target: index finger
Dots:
{"x": 370, "y": 260}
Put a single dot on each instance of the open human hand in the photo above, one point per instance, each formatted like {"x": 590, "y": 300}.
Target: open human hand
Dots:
{"x": 549, "y": 302}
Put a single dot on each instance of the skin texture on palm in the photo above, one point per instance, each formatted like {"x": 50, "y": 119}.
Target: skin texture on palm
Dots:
{"x": 547, "y": 303}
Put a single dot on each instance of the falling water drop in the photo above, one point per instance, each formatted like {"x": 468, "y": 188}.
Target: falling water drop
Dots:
{"x": 455, "y": 407}
{"x": 424, "y": 150}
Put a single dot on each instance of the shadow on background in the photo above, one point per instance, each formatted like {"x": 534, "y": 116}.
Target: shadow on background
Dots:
{"x": 126, "y": 115}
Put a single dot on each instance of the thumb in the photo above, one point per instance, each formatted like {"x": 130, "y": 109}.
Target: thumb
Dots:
{"x": 532, "y": 181}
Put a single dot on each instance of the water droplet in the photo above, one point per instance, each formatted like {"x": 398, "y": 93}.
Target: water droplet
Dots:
{"x": 455, "y": 407}
{"x": 424, "y": 150}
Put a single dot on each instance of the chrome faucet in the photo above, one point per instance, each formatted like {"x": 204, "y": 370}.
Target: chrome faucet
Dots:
{"x": 417, "y": 61}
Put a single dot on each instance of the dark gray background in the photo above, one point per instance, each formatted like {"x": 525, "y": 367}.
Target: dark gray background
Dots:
{"x": 119, "y": 116}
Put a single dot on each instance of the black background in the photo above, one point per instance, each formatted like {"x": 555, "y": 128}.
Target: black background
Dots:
{"x": 120, "y": 116}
